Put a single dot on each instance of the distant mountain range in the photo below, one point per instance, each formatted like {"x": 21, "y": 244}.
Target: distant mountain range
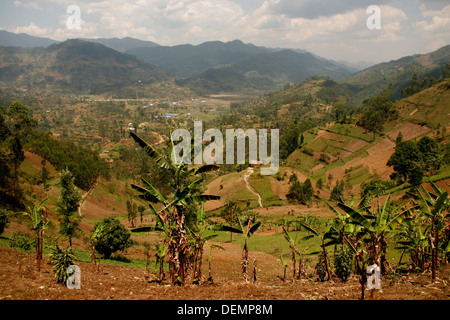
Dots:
{"x": 8, "y": 39}
{"x": 124, "y": 44}
{"x": 98, "y": 65}
{"x": 228, "y": 66}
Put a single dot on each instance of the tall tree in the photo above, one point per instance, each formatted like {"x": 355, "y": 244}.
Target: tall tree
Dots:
{"x": 67, "y": 206}
{"x": 376, "y": 111}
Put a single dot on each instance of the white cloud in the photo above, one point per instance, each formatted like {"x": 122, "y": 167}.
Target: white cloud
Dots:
{"x": 440, "y": 21}
{"x": 435, "y": 28}
{"x": 29, "y": 4}
{"x": 32, "y": 30}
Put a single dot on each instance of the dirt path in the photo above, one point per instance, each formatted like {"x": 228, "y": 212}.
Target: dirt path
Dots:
{"x": 249, "y": 187}
{"x": 160, "y": 138}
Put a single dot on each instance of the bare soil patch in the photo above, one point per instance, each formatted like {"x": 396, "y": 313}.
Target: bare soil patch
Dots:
{"x": 19, "y": 280}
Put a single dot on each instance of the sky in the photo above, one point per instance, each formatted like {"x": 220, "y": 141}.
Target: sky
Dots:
{"x": 333, "y": 29}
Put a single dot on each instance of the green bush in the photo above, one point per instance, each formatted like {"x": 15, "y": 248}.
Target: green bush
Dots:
{"x": 61, "y": 259}
{"x": 22, "y": 241}
{"x": 114, "y": 237}
{"x": 343, "y": 262}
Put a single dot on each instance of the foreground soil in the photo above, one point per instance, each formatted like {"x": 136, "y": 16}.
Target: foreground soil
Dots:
{"x": 20, "y": 280}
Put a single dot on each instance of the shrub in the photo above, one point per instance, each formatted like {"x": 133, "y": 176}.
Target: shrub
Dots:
{"x": 343, "y": 262}
{"x": 22, "y": 241}
{"x": 115, "y": 237}
{"x": 61, "y": 259}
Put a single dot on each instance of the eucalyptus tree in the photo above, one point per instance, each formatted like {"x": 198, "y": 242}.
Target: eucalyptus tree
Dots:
{"x": 186, "y": 181}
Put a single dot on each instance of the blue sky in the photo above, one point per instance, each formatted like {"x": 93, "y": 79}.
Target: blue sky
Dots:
{"x": 334, "y": 29}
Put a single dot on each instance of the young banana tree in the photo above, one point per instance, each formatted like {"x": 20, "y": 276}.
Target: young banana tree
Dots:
{"x": 284, "y": 265}
{"x": 163, "y": 228}
{"x": 414, "y": 236}
{"x": 38, "y": 216}
{"x": 160, "y": 255}
{"x": 199, "y": 243}
{"x": 323, "y": 236}
{"x": 247, "y": 229}
{"x": 212, "y": 246}
{"x": 295, "y": 250}
{"x": 186, "y": 181}
{"x": 434, "y": 207}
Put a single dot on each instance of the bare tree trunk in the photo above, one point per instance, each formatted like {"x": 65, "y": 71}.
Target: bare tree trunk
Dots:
{"x": 245, "y": 262}
{"x": 325, "y": 256}
{"x": 255, "y": 277}
{"x": 434, "y": 255}
{"x": 210, "y": 278}
{"x": 300, "y": 268}
{"x": 200, "y": 263}
{"x": 38, "y": 247}
{"x": 162, "y": 275}
{"x": 293, "y": 264}
{"x": 179, "y": 248}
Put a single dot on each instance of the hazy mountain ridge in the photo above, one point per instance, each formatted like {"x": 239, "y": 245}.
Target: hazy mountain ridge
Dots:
{"x": 370, "y": 81}
{"x": 9, "y": 39}
{"x": 73, "y": 66}
{"x": 210, "y": 67}
{"x": 266, "y": 70}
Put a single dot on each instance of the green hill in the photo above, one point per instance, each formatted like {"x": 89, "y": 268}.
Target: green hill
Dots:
{"x": 399, "y": 72}
{"x": 73, "y": 66}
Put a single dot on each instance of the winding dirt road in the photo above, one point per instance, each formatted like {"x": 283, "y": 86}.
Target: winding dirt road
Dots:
{"x": 249, "y": 187}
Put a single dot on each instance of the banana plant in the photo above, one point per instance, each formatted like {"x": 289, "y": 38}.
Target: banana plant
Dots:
{"x": 247, "y": 229}
{"x": 160, "y": 255}
{"x": 323, "y": 236}
{"x": 38, "y": 216}
{"x": 212, "y": 246}
{"x": 414, "y": 237}
{"x": 163, "y": 228}
{"x": 295, "y": 250}
{"x": 376, "y": 225}
{"x": 434, "y": 206}
{"x": 199, "y": 242}
{"x": 284, "y": 265}
{"x": 186, "y": 182}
